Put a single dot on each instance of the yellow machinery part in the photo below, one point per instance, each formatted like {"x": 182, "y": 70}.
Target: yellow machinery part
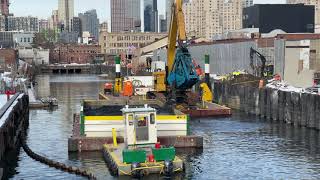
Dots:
{"x": 177, "y": 28}
{"x": 114, "y": 137}
{"x": 207, "y": 95}
{"x": 117, "y": 86}
{"x": 159, "y": 81}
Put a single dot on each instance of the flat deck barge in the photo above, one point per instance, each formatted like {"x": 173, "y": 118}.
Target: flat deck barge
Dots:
{"x": 197, "y": 111}
{"x": 92, "y": 127}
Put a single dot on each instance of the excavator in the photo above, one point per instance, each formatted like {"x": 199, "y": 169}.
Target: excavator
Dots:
{"x": 266, "y": 71}
{"x": 180, "y": 74}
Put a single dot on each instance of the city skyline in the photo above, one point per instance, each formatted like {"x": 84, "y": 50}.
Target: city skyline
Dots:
{"x": 24, "y": 8}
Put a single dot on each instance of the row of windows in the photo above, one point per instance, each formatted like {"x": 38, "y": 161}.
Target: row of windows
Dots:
{"x": 25, "y": 40}
{"x": 127, "y": 44}
{"x": 129, "y": 38}
{"x": 72, "y": 51}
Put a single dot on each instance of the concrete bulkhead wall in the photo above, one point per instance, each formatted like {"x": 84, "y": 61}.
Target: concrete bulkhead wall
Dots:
{"x": 14, "y": 120}
{"x": 298, "y": 109}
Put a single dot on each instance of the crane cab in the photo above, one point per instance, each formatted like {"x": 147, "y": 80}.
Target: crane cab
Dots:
{"x": 140, "y": 126}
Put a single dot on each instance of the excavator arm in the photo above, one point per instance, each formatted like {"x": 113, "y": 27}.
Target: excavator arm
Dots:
{"x": 182, "y": 73}
{"x": 261, "y": 57}
{"x": 177, "y": 29}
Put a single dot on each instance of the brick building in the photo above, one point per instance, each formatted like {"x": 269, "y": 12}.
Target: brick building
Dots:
{"x": 74, "y": 53}
{"x": 8, "y": 59}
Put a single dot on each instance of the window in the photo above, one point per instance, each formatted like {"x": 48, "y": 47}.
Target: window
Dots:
{"x": 25, "y": 39}
{"x": 142, "y": 121}
{"x": 152, "y": 118}
{"x": 130, "y": 119}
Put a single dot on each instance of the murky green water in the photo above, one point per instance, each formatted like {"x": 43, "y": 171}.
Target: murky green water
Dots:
{"x": 240, "y": 147}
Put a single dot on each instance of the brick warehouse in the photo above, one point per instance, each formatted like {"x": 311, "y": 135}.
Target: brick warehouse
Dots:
{"x": 74, "y": 53}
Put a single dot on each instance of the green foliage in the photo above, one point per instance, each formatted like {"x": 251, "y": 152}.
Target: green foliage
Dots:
{"x": 45, "y": 39}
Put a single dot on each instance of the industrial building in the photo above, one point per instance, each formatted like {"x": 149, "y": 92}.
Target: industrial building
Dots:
{"x": 294, "y": 56}
{"x": 123, "y": 42}
{"x": 71, "y": 53}
{"x": 291, "y": 18}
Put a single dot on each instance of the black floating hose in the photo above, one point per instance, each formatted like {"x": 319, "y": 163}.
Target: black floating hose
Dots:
{"x": 55, "y": 164}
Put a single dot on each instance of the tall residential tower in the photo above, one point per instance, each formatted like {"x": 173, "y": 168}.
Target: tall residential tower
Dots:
{"x": 247, "y": 3}
{"x": 66, "y": 13}
{"x": 150, "y": 16}
{"x": 125, "y": 15}
{"x": 90, "y": 22}
{"x": 206, "y": 18}
{"x": 4, "y": 7}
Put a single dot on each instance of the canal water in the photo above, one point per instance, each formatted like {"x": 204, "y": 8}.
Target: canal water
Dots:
{"x": 239, "y": 147}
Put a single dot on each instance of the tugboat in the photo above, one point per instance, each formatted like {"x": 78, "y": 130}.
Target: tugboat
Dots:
{"x": 140, "y": 154}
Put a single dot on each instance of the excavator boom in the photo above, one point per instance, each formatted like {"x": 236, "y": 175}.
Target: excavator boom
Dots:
{"x": 177, "y": 28}
{"x": 182, "y": 73}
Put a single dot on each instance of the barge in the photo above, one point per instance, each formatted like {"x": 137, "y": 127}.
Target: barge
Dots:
{"x": 92, "y": 127}
{"x": 141, "y": 154}
{"x": 204, "y": 109}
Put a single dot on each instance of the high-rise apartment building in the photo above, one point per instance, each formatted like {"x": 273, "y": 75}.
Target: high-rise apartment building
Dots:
{"x": 206, "y": 18}
{"x": 125, "y": 15}
{"x": 90, "y": 22}
{"x": 43, "y": 24}
{"x": 2, "y": 23}
{"x": 54, "y": 20}
{"x": 66, "y": 13}
{"x": 77, "y": 26}
{"x": 316, "y": 3}
{"x": 163, "y": 23}
{"x": 29, "y": 24}
{"x": 4, "y": 7}
{"x": 150, "y": 13}
{"x": 168, "y": 12}
{"x": 247, "y": 3}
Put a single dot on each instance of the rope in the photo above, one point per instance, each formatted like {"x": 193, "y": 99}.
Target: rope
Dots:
{"x": 55, "y": 164}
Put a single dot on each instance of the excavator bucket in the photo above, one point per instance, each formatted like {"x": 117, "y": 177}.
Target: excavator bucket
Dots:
{"x": 183, "y": 75}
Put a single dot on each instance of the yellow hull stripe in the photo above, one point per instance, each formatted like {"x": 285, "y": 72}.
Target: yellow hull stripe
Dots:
{"x": 103, "y": 118}
{"x": 120, "y": 118}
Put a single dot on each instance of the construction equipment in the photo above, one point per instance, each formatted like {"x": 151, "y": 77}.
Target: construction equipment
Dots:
{"x": 181, "y": 73}
{"x": 265, "y": 71}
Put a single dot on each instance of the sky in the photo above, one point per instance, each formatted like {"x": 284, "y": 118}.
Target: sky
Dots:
{"x": 43, "y": 8}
